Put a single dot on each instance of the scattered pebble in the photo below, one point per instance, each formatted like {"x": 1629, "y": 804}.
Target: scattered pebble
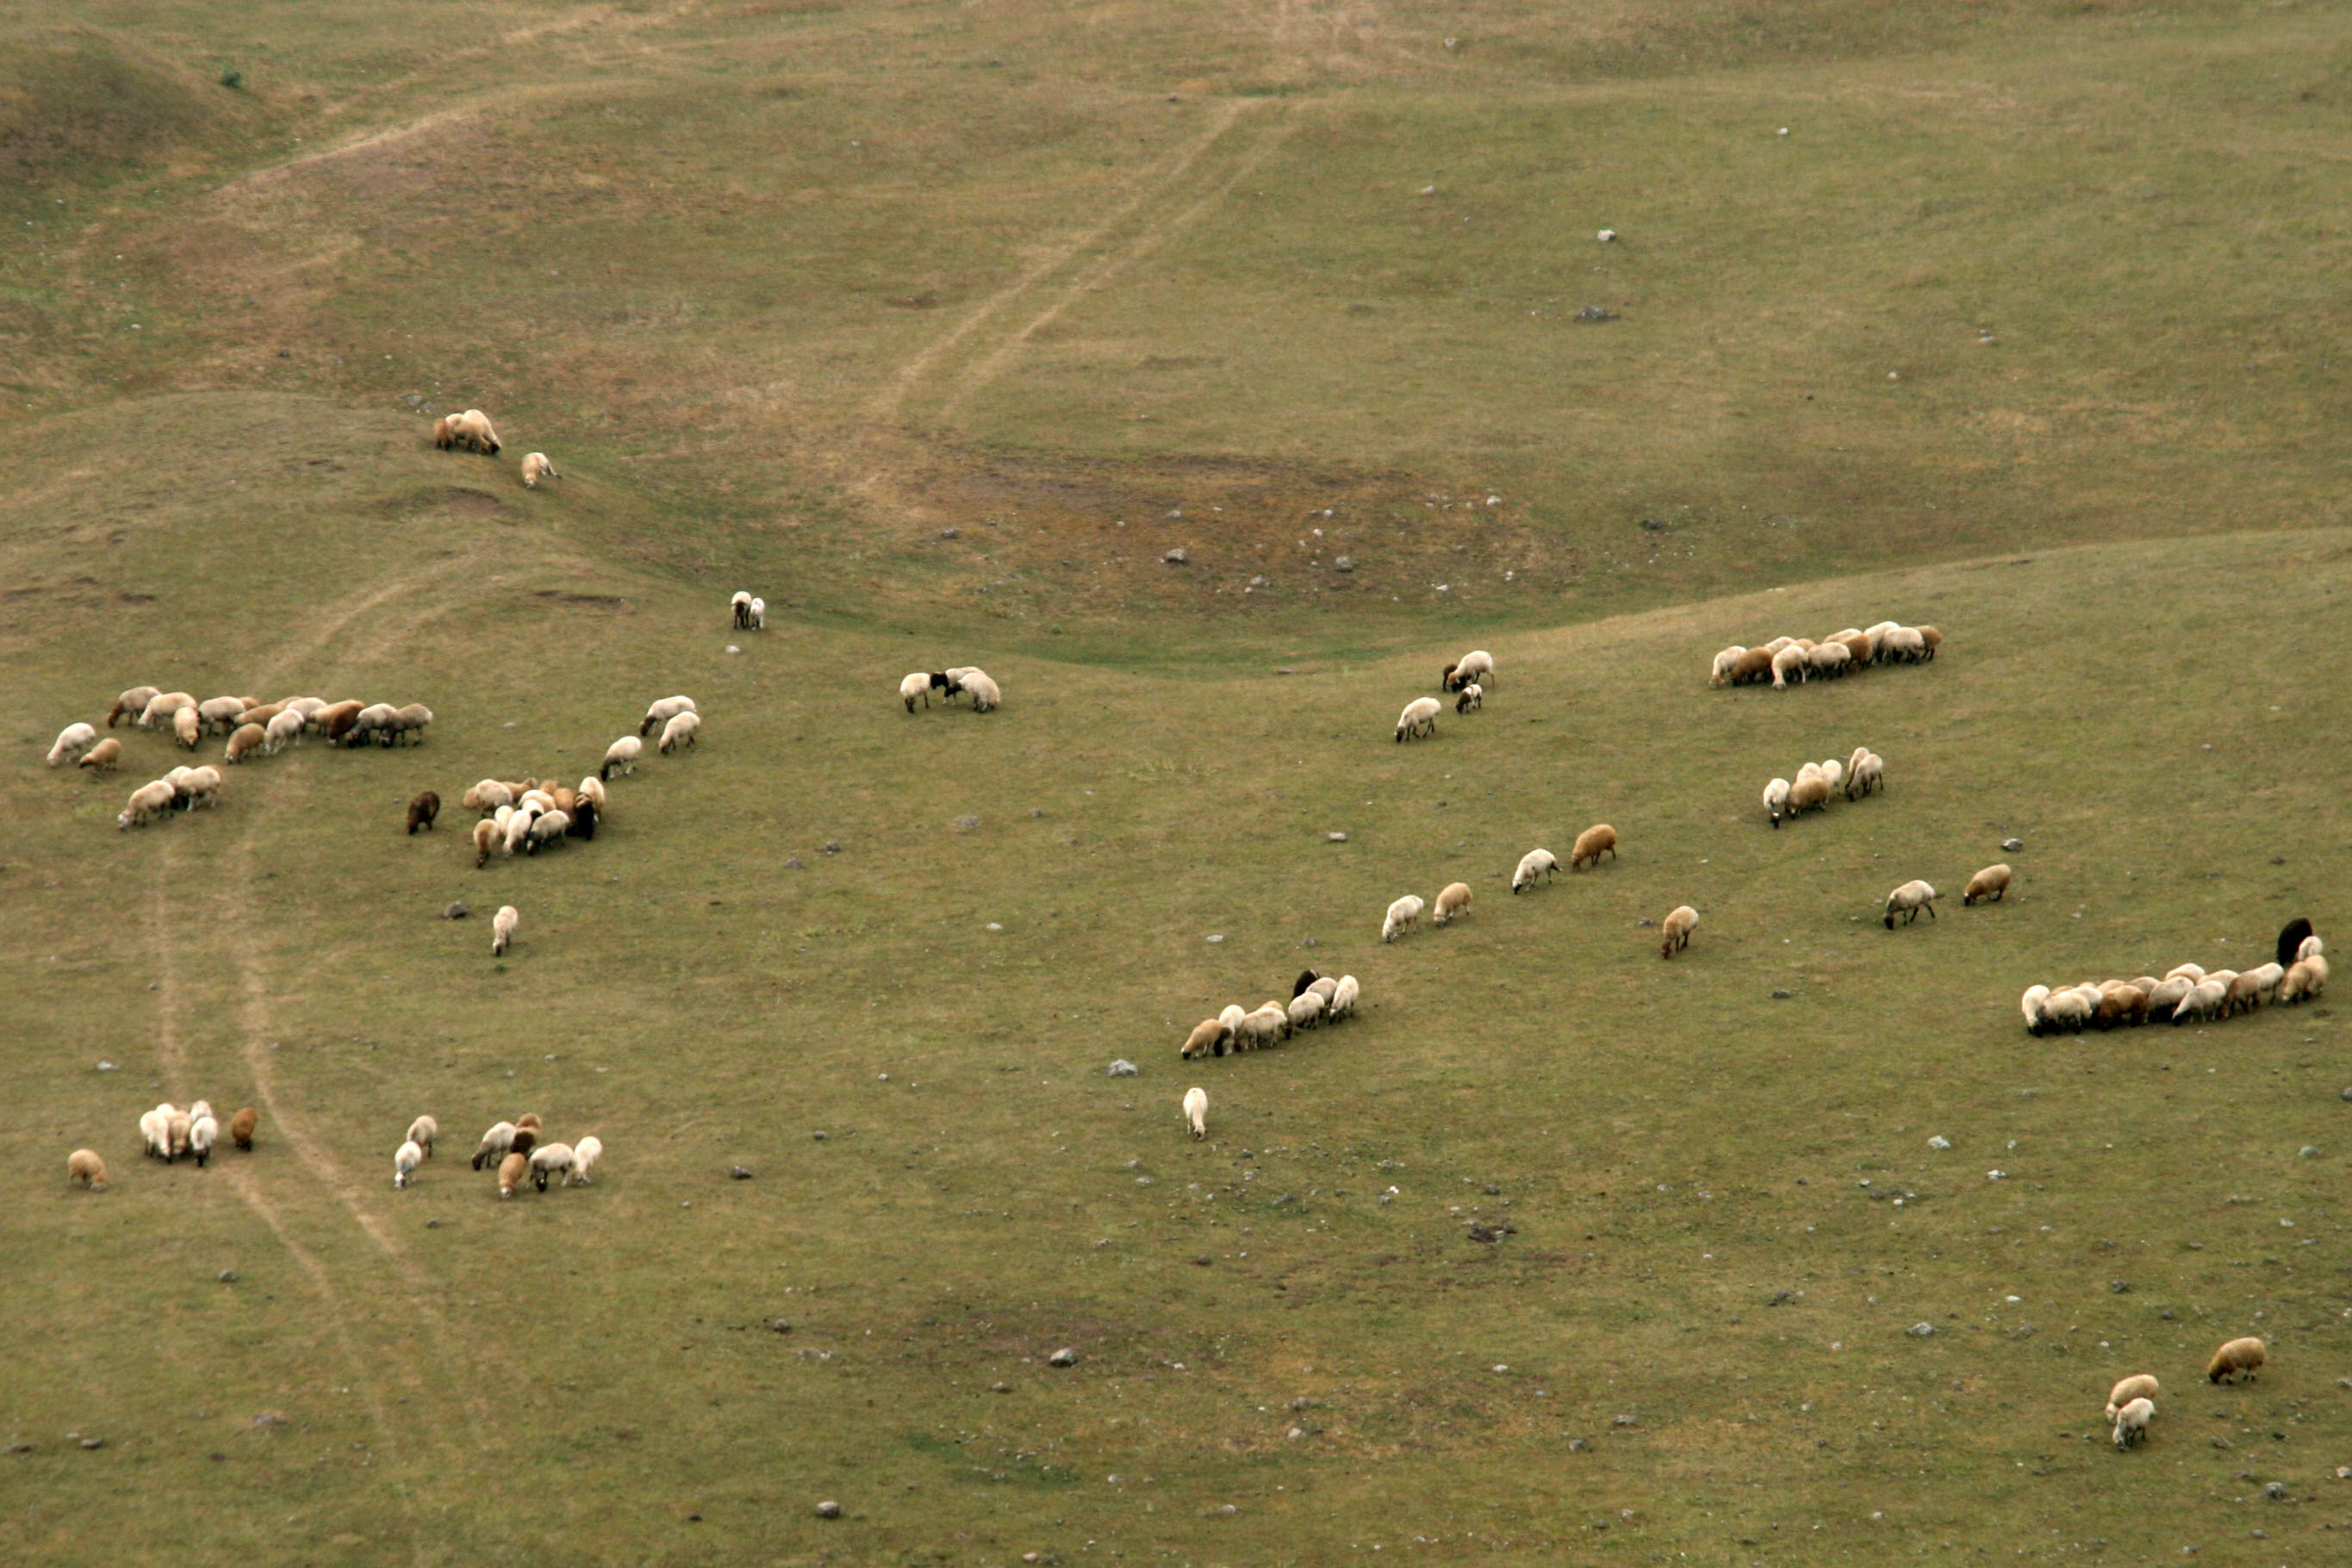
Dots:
{"x": 1607, "y": 236}
{"x": 1345, "y": 564}
{"x": 967, "y": 821}
{"x": 106, "y": 1067}
{"x": 228, "y": 1275}
{"x": 828, "y": 1509}
{"x": 1176, "y": 557}
{"x": 743, "y": 1173}
{"x": 732, "y": 648}
{"x": 455, "y": 910}
{"x": 1065, "y": 1356}
{"x": 1122, "y": 1067}
{"x": 1334, "y": 839}
{"x": 1939, "y": 1141}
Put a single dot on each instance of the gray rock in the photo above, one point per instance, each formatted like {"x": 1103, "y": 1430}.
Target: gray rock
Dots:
{"x": 781, "y": 1326}
{"x": 1622, "y": 1421}
{"x": 1334, "y": 839}
{"x": 1920, "y": 1331}
{"x": 2119, "y": 1287}
{"x": 1216, "y": 937}
{"x": 1782, "y": 995}
{"x": 456, "y": 911}
{"x": 100, "y": 1442}
{"x": 828, "y": 1509}
{"x": 2013, "y": 844}
{"x": 743, "y": 1173}
{"x": 228, "y": 1275}
{"x": 269, "y": 1418}
{"x": 1065, "y": 1356}
{"x": 1578, "y": 1445}
{"x": 1177, "y": 557}
{"x": 967, "y": 820}
{"x": 1939, "y": 1141}
{"x": 2310, "y": 1152}
{"x": 832, "y": 846}
{"x": 949, "y": 532}
{"x": 1596, "y": 314}
{"x": 1122, "y": 1067}
{"x": 1000, "y": 1388}
{"x": 2275, "y": 1491}
{"x": 1345, "y": 564}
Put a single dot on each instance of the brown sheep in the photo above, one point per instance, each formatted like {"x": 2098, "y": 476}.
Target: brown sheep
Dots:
{"x": 1208, "y": 1037}
{"x": 261, "y": 715}
{"x": 249, "y": 738}
{"x": 1932, "y": 638}
{"x": 176, "y": 1136}
{"x": 1678, "y": 926}
{"x": 2238, "y": 1357}
{"x": 103, "y": 757}
{"x": 422, "y": 811}
{"x": 241, "y": 1126}
{"x": 444, "y": 432}
{"x": 2140, "y": 1386}
{"x": 1754, "y": 665}
{"x": 1591, "y": 843}
{"x": 512, "y": 1171}
{"x": 187, "y": 728}
{"x": 324, "y": 720}
{"x": 2244, "y": 994}
{"x": 2121, "y": 1003}
{"x": 486, "y": 839}
{"x": 1989, "y": 884}
{"x": 1451, "y": 902}
{"x": 472, "y": 427}
{"x": 84, "y": 1165}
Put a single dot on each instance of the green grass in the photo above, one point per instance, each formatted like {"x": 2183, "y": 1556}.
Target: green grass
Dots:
{"x": 641, "y": 238}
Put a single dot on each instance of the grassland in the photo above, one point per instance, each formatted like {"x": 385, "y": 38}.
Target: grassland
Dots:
{"x": 789, "y": 290}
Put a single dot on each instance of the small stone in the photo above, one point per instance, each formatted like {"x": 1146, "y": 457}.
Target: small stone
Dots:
{"x": 2119, "y": 1287}
{"x": 832, "y": 846}
{"x": 967, "y": 821}
{"x": 820, "y": 1137}
{"x": 781, "y": 1326}
{"x": 1596, "y": 314}
{"x": 1216, "y": 937}
{"x": 228, "y": 1275}
{"x": 1607, "y": 236}
{"x": 455, "y": 910}
{"x": 2275, "y": 1491}
{"x": 1176, "y": 557}
{"x": 1000, "y": 1387}
{"x": 1782, "y": 995}
{"x": 1920, "y": 1331}
{"x": 1122, "y": 1067}
{"x": 17, "y": 1448}
{"x": 2309, "y": 1152}
{"x": 1996, "y": 1175}
{"x": 1334, "y": 839}
{"x": 1644, "y": 921}
{"x": 2013, "y": 844}
{"x": 1065, "y": 1356}
{"x": 732, "y": 648}
{"x": 794, "y": 863}
{"x": 100, "y": 1442}
{"x": 1622, "y": 1421}
{"x": 1345, "y": 564}
{"x": 1578, "y": 1445}
{"x": 2345, "y": 1095}
{"x": 1939, "y": 1141}
{"x": 106, "y": 1067}
{"x": 949, "y": 532}
{"x": 743, "y": 1173}
{"x": 1781, "y": 1298}
{"x": 828, "y": 1509}
{"x": 995, "y": 925}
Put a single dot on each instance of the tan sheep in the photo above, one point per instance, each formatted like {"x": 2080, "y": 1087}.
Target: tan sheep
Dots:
{"x": 187, "y": 728}
{"x": 1451, "y": 901}
{"x": 536, "y": 467}
{"x": 511, "y": 1171}
{"x": 241, "y": 1126}
{"x": 1209, "y": 1037}
{"x": 84, "y": 1165}
{"x": 2140, "y": 1386}
{"x": 249, "y": 738}
{"x": 1989, "y": 884}
{"x": 502, "y": 928}
{"x": 1677, "y": 928}
{"x": 131, "y": 703}
{"x": 1591, "y": 843}
{"x": 2238, "y": 1358}
{"x": 103, "y": 757}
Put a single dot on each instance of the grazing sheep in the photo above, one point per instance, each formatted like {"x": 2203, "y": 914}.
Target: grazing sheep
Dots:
{"x": 2030, "y": 1004}
{"x": 1262, "y": 1027}
{"x": 1904, "y": 645}
{"x": 547, "y": 827}
{"x": 1907, "y": 900}
{"x": 511, "y": 1171}
{"x": 1810, "y": 792}
{"x": 2203, "y": 1001}
{"x": 1777, "y": 644}
{"x": 2251, "y": 989}
{"x": 2166, "y": 995}
{"x": 1326, "y": 986}
{"x": 422, "y": 811}
{"x": 2311, "y": 947}
{"x": 102, "y": 757}
{"x": 1989, "y": 884}
{"x": 155, "y": 1130}
{"x": 1590, "y": 845}
{"x": 131, "y": 703}
{"x": 1833, "y": 771}
{"x": 220, "y": 714}
{"x": 1419, "y": 717}
{"x": 1451, "y": 901}
{"x": 1306, "y": 1010}
{"x": 502, "y": 928}
{"x": 446, "y": 434}
{"x": 1677, "y": 928}
{"x": 2194, "y": 972}
{"x": 145, "y": 801}
{"x": 178, "y": 1125}
{"x": 1789, "y": 661}
{"x": 473, "y": 428}
{"x": 1775, "y": 802}
{"x": 409, "y": 719}
{"x": 679, "y": 731}
{"x": 582, "y": 815}
{"x": 261, "y": 715}
{"x": 622, "y": 754}
{"x": 1196, "y": 1111}
{"x": 1231, "y": 1015}
{"x": 1828, "y": 660}
{"x": 2131, "y": 1421}
{"x": 914, "y": 684}
{"x": 551, "y": 1160}
{"x": 758, "y": 615}
{"x": 1306, "y": 977}
{"x": 372, "y": 722}
{"x": 83, "y": 1165}
{"x": 663, "y": 711}
{"x": 1867, "y": 776}
{"x": 1343, "y": 999}
{"x": 2140, "y": 1386}
{"x": 285, "y": 727}
{"x": 535, "y": 468}
{"x": 486, "y": 839}
{"x": 1931, "y": 639}
{"x": 249, "y": 738}
{"x": 592, "y": 788}
{"x": 404, "y": 1162}
{"x": 486, "y": 796}
{"x": 2290, "y": 938}
{"x": 2238, "y": 1358}
{"x": 496, "y": 1143}
{"x": 162, "y": 706}
{"x": 241, "y": 1126}
{"x": 1402, "y": 915}
{"x": 1857, "y": 650}
{"x": 186, "y": 727}
{"x": 72, "y": 741}
{"x": 585, "y": 1156}
{"x": 740, "y": 605}
{"x": 2305, "y": 978}
{"x": 1477, "y": 664}
{"x": 1473, "y": 698}
{"x": 978, "y": 685}
{"x": 422, "y": 1132}
{"x": 950, "y": 679}
{"x": 202, "y": 1133}
{"x": 1750, "y": 667}
{"x": 1209, "y": 1037}
{"x": 199, "y": 787}
{"x": 1533, "y": 863}
{"x": 1720, "y": 673}
{"x": 2120, "y": 1004}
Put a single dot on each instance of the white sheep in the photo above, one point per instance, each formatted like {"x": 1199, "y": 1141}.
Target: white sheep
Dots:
{"x": 1472, "y": 701}
{"x": 202, "y": 1133}
{"x": 163, "y": 705}
{"x": 1828, "y": 659}
{"x": 1419, "y": 717}
{"x": 1789, "y": 661}
{"x": 1907, "y": 900}
{"x": 551, "y": 1160}
{"x": 131, "y": 703}
{"x": 1343, "y": 999}
{"x": 1196, "y": 1111}
{"x": 1533, "y": 863}
{"x": 422, "y": 1132}
{"x": 740, "y": 607}
{"x": 2140, "y": 1386}
{"x": 1231, "y": 1017}
{"x": 1866, "y": 775}
{"x": 535, "y": 468}
{"x": 1306, "y": 1010}
{"x": 1721, "y": 670}
{"x": 1476, "y": 665}
{"x": 663, "y": 711}
{"x": 186, "y": 727}
{"x": 1451, "y": 901}
{"x": 2203, "y": 1002}
{"x": 982, "y": 689}
{"x": 2166, "y": 994}
{"x": 622, "y": 754}
{"x": 216, "y": 714}
{"x": 2131, "y": 1421}
{"x": 679, "y": 731}
{"x": 954, "y": 674}
{"x": 547, "y": 827}
{"x": 2031, "y": 1005}
{"x": 502, "y": 929}
{"x": 1262, "y": 1027}
{"x": 2311, "y": 947}
{"x": 518, "y": 831}
{"x": 495, "y": 1144}
{"x": 2194, "y": 971}
{"x": 759, "y": 614}
{"x": 404, "y": 1162}
{"x": 285, "y": 727}
{"x": 1401, "y": 914}
{"x": 72, "y": 741}
{"x": 585, "y": 1156}
{"x": 155, "y": 1130}
{"x": 1776, "y": 801}
{"x": 199, "y": 787}
{"x": 1833, "y": 770}
{"x": 145, "y": 801}
{"x": 913, "y": 684}
{"x": 1904, "y": 645}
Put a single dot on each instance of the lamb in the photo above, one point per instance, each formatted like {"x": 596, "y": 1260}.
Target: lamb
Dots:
{"x": 241, "y": 1126}
{"x": 422, "y": 811}
{"x": 422, "y": 1132}
{"x": 1907, "y": 900}
{"x": 404, "y": 1162}
{"x": 202, "y": 1133}
{"x": 1750, "y": 667}
{"x": 2140, "y": 1386}
{"x": 535, "y": 468}
{"x": 496, "y": 1143}
{"x": 163, "y": 705}
{"x": 585, "y": 1156}
{"x": 1401, "y": 916}
{"x": 2131, "y": 1421}
{"x": 145, "y": 801}
{"x": 486, "y": 839}
{"x": 84, "y": 1165}
{"x": 130, "y": 704}
{"x": 512, "y": 1171}
{"x": 759, "y": 614}
{"x": 2203, "y": 1001}
{"x": 249, "y": 738}
{"x": 982, "y": 689}
{"x": 678, "y": 732}
{"x": 914, "y": 684}
{"x": 1533, "y": 863}
{"x": 663, "y": 711}
{"x": 1419, "y": 717}
{"x": 1677, "y": 928}
{"x": 220, "y": 714}
{"x": 1989, "y": 884}
{"x": 2290, "y": 937}
{"x": 551, "y": 1160}
{"x": 72, "y": 741}
{"x": 1451, "y": 901}
{"x": 1196, "y": 1111}
{"x": 103, "y": 757}
{"x": 1306, "y": 1010}
{"x": 1789, "y": 661}
{"x": 186, "y": 727}
{"x": 286, "y": 727}
{"x": 1590, "y": 845}
{"x": 741, "y": 606}
{"x": 1719, "y": 674}
{"x": 502, "y": 928}
{"x": 1475, "y": 665}
{"x": 1209, "y": 1037}
{"x": 1473, "y": 698}
{"x": 1865, "y": 776}
{"x": 1343, "y": 999}
{"x": 2238, "y": 1358}
{"x": 1775, "y": 802}
{"x": 622, "y": 754}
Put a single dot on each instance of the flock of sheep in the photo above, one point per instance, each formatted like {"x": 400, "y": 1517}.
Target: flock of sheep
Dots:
{"x": 2131, "y": 1403}
{"x": 514, "y": 1150}
{"x": 170, "y": 1134}
{"x": 1468, "y": 678}
{"x": 2187, "y": 993}
{"x": 1863, "y": 773}
{"x": 473, "y": 431}
{"x": 1786, "y": 659}
{"x": 963, "y": 680}
{"x": 1315, "y": 1000}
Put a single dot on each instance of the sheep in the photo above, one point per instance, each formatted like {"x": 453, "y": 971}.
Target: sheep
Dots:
{"x": 202, "y": 1133}
{"x": 1343, "y": 999}
{"x": 145, "y": 801}
{"x": 486, "y": 796}
{"x": 72, "y": 741}
{"x": 496, "y": 1143}
{"x": 2031, "y": 1005}
{"x": 1306, "y": 1010}
{"x": 1903, "y": 645}
{"x": 1989, "y": 884}
{"x": 219, "y": 713}
{"x": 950, "y": 679}
{"x": 585, "y": 1156}
{"x": 622, "y": 754}
{"x": 592, "y": 788}
{"x": 2140, "y": 1386}
{"x": 2310, "y": 947}
{"x": 663, "y": 711}
{"x": 407, "y": 719}
{"x": 547, "y": 827}
{"x": 1720, "y": 673}
{"x": 84, "y": 1165}
{"x": 1262, "y": 1027}
{"x": 186, "y": 727}
{"x": 404, "y": 1162}
{"x": 163, "y": 705}
{"x": 502, "y": 928}
{"x": 446, "y": 434}
{"x": 155, "y": 1130}
{"x": 1419, "y": 717}
{"x": 1866, "y": 777}
{"x": 2119, "y": 1002}
{"x": 978, "y": 685}
{"x": 2305, "y": 978}
{"x": 370, "y": 724}
{"x": 1306, "y": 977}
{"x": 1209, "y": 1037}
{"x": 249, "y": 738}
{"x": 199, "y": 787}
{"x": 261, "y": 715}
{"x": 1828, "y": 661}
{"x": 1810, "y": 792}
{"x": 486, "y": 839}
{"x": 581, "y": 823}
{"x": 178, "y": 1125}
{"x": 1931, "y": 639}
{"x": 2167, "y": 995}
{"x": 340, "y": 723}
{"x": 199, "y": 1110}
{"x": 914, "y": 684}
{"x": 1477, "y": 664}
{"x": 1775, "y": 802}
{"x": 422, "y": 811}
{"x": 130, "y": 704}
{"x": 1232, "y": 1015}
{"x": 103, "y": 757}
{"x": 1535, "y": 863}
{"x": 1326, "y": 986}
{"x": 1777, "y": 644}
{"x": 2238, "y": 1358}
{"x": 1401, "y": 916}
{"x": 512, "y": 1171}
{"x": 2203, "y": 1001}
{"x": 678, "y": 732}
{"x": 241, "y": 1126}
{"x": 2131, "y": 1421}
{"x": 1907, "y": 900}
{"x": 1789, "y": 661}
{"x": 473, "y": 428}
{"x": 535, "y": 468}
{"x": 517, "y": 832}
{"x": 2194, "y": 972}
{"x": 1750, "y": 667}
{"x": 2290, "y": 940}
{"x": 1196, "y": 1111}
{"x": 1857, "y": 650}
{"x": 1677, "y": 928}
{"x": 1473, "y": 698}
{"x": 1834, "y": 772}
{"x": 1590, "y": 845}
{"x": 759, "y": 614}
{"x": 287, "y": 726}
{"x": 2250, "y": 989}
{"x": 1451, "y": 901}
{"x": 740, "y": 606}
{"x": 550, "y": 1159}
{"x": 305, "y": 706}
